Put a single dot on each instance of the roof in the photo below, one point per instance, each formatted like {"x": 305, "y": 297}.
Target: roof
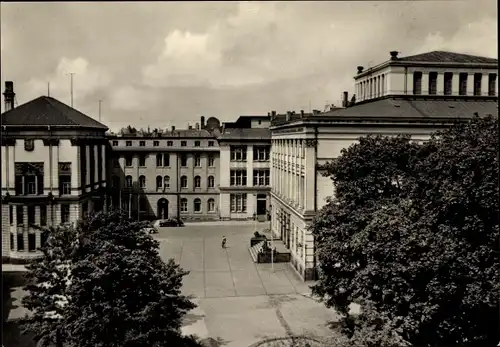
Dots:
{"x": 245, "y": 121}
{"x": 448, "y": 57}
{"x": 246, "y": 134}
{"x": 406, "y": 109}
{"x": 185, "y": 133}
{"x": 45, "y": 111}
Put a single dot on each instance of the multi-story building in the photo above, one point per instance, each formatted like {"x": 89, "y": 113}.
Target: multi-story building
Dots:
{"x": 53, "y": 170}
{"x": 165, "y": 174}
{"x": 245, "y": 177}
{"x": 393, "y": 100}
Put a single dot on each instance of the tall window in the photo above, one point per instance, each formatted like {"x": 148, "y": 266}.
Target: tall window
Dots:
{"x": 159, "y": 182}
{"x": 477, "y": 83}
{"x": 184, "y": 160}
{"x": 417, "y": 82}
{"x": 20, "y": 215}
{"x": 166, "y": 159}
{"x": 128, "y": 181}
{"x": 116, "y": 162}
{"x": 184, "y": 182}
{"x": 159, "y": 160}
{"x": 448, "y": 83}
{"x": 197, "y": 205}
{"x": 433, "y": 76}
{"x": 184, "y": 205}
{"x": 462, "y": 83}
{"x": 492, "y": 81}
{"x": 128, "y": 160}
{"x": 211, "y": 205}
{"x": 43, "y": 215}
{"x": 31, "y": 215}
{"x": 260, "y": 177}
{"x": 142, "y": 181}
{"x": 197, "y": 182}
{"x": 29, "y": 178}
{"x": 142, "y": 160}
{"x": 261, "y": 153}
{"x": 197, "y": 160}
{"x": 65, "y": 213}
{"x": 211, "y": 182}
{"x": 166, "y": 181}
{"x": 238, "y": 178}
{"x": 211, "y": 160}
{"x": 238, "y": 153}
{"x": 64, "y": 178}
{"x": 238, "y": 202}
{"x": 115, "y": 182}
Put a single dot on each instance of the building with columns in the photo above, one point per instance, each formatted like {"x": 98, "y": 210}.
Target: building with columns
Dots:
{"x": 302, "y": 143}
{"x": 53, "y": 170}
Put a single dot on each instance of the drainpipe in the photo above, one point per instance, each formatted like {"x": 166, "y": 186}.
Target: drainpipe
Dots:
{"x": 51, "y": 178}
{"x": 406, "y": 81}
{"x": 315, "y": 200}
{"x": 178, "y": 179}
{"x": 8, "y": 162}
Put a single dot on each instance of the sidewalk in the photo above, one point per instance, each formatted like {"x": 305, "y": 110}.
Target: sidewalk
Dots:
{"x": 265, "y": 224}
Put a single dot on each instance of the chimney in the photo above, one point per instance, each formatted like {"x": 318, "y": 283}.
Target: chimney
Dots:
{"x": 9, "y": 95}
{"x": 394, "y": 55}
{"x": 302, "y": 113}
{"x": 268, "y": 114}
{"x": 202, "y": 120}
{"x": 273, "y": 113}
{"x": 316, "y": 111}
{"x": 190, "y": 127}
{"x": 288, "y": 114}
{"x": 197, "y": 126}
{"x": 345, "y": 99}
{"x": 173, "y": 128}
{"x": 360, "y": 69}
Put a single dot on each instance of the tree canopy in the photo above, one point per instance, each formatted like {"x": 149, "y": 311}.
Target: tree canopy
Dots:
{"x": 411, "y": 233}
{"x": 103, "y": 283}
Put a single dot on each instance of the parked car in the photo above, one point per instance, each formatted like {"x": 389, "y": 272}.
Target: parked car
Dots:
{"x": 171, "y": 222}
{"x": 150, "y": 230}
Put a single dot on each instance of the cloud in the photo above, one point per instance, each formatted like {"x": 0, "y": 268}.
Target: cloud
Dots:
{"x": 131, "y": 98}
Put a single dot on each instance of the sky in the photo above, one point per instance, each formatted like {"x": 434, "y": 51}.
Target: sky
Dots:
{"x": 168, "y": 63}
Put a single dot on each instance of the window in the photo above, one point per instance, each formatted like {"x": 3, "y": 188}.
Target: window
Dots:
{"x": 260, "y": 122}
{"x": 210, "y": 143}
{"x": 197, "y": 205}
{"x": 159, "y": 160}
{"x": 477, "y": 83}
{"x": 184, "y": 182}
{"x": 211, "y": 182}
{"x": 142, "y": 143}
{"x": 115, "y": 182}
{"x": 197, "y": 182}
{"x": 128, "y": 143}
{"x": 142, "y": 160}
{"x": 31, "y": 215}
{"x": 20, "y": 242}
{"x": 170, "y": 143}
{"x": 156, "y": 143}
{"x": 211, "y": 160}
{"x": 64, "y": 213}
{"x": 197, "y": 160}
{"x": 143, "y": 204}
{"x": 64, "y": 178}
{"x": 492, "y": 80}
{"x": 184, "y": 205}
{"x": 142, "y": 181}
{"x": 462, "y": 81}
{"x": 197, "y": 143}
{"x": 261, "y": 153}
{"x": 238, "y": 178}
{"x": 115, "y": 143}
{"x": 433, "y": 76}
{"x": 31, "y": 242}
{"x": 211, "y": 205}
{"x": 166, "y": 159}
{"x": 417, "y": 83}
{"x": 159, "y": 182}
{"x": 116, "y": 162}
{"x": 238, "y": 153}
{"x": 20, "y": 215}
{"x": 128, "y": 181}
{"x": 183, "y": 143}
{"x": 184, "y": 160}
{"x": 43, "y": 215}
{"x": 128, "y": 160}
{"x": 260, "y": 177}
{"x": 448, "y": 82}
{"x": 166, "y": 181}
{"x": 238, "y": 202}
{"x": 11, "y": 214}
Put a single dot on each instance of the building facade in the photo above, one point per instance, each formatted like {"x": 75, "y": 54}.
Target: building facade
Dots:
{"x": 53, "y": 170}
{"x": 302, "y": 143}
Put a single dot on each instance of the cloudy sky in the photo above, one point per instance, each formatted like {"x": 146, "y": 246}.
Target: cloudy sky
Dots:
{"x": 163, "y": 64}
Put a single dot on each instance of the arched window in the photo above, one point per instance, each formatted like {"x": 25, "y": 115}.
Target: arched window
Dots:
{"x": 166, "y": 181}
{"x": 159, "y": 182}
{"x": 142, "y": 181}
{"x": 184, "y": 205}
{"x": 115, "y": 182}
{"x": 184, "y": 182}
{"x": 197, "y": 182}
{"x": 128, "y": 181}
{"x": 197, "y": 205}
{"x": 211, "y": 205}
{"x": 211, "y": 182}
{"x": 159, "y": 160}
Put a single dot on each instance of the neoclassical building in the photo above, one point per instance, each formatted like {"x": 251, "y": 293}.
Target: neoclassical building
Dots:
{"x": 53, "y": 170}
{"x": 396, "y": 97}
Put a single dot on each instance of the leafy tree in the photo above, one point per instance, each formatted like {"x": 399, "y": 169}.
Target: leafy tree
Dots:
{"x": 116, "y": 288}
{"x": 412, "y": 235}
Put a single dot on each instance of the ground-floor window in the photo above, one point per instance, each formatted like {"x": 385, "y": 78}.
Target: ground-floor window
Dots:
{"x": 43, "y": 215}
{"x": 31, "y": 242}
{"x": 20, "y": 242}
{"x": 12, "y": 240}
{"x": 238, "y": 202}
{"x": 65, "y": 213}
{"x": 197, "y": 205}
{"x": 211, "y": 205}
{"x": 184, "y": 205}
{"x": 43, "y": 238}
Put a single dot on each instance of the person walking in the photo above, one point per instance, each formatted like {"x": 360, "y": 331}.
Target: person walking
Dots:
{"x": 223, "y": 242}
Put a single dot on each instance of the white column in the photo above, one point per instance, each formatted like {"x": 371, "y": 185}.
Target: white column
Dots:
{"x": 425, "y": 83}
{"x": 310, "y": 194}
{"x": 484, "y": 84}
{"x": 14, "y": 222}
{"x": 455, "y": 84}
{"x": 440, "y": 84}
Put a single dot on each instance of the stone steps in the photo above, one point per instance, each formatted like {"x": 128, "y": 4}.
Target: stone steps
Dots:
{"x": 255, "y": 249}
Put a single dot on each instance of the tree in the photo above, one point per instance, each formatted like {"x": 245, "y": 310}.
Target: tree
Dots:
{"x": 412, "y": 235}
{"x": 116, "y": 288}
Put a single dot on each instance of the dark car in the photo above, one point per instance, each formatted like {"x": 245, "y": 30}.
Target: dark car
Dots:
{"x": 173, "y": 222}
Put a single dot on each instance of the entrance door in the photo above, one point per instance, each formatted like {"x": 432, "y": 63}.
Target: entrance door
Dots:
{"x": 261, "y": 205}
{"x": 162, "y": 209}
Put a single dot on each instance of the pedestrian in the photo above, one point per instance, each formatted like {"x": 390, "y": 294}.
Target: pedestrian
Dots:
{"x": 223, "y": 242}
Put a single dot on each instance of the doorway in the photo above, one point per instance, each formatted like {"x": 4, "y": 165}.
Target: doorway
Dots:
{"x": 162, "y": 209}
{"x": 261, "y": 205}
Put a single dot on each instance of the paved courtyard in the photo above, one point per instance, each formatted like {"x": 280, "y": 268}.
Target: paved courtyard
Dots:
{"x": 240, "y": 302}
